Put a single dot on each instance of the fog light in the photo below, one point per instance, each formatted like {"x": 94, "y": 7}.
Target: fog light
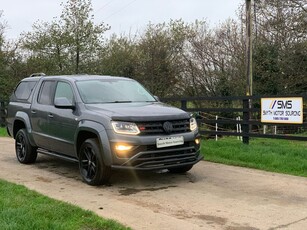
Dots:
{"x": 123, "y": 148}
{"x": 197, "y": 141}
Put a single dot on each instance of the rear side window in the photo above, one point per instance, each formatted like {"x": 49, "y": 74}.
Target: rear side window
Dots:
{"x": 24, "y": 89}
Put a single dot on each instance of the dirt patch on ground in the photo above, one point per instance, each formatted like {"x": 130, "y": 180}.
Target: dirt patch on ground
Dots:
{"x": 210, "y": 196}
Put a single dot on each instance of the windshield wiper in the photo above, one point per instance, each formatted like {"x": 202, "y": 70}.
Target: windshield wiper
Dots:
{"x": 120, "y": 102}
{"x": 126, "y": 101}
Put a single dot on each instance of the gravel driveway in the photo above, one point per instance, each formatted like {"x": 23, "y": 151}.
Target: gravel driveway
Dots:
{"x": 210, "y": 196}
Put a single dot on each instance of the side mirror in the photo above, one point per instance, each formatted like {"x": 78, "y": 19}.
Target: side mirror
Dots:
{"x": 63, "y": 103}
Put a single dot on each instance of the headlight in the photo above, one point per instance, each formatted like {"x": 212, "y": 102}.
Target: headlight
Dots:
{"x": 193, "y": 124}
{"x": 125, "y": 127}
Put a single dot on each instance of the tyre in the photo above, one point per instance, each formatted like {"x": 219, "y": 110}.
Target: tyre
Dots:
{"x": 25, "y": 152}
{"x": 92, "y": 168}
{"x": 181, "y": 169}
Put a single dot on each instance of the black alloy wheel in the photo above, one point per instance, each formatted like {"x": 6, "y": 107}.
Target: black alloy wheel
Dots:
{"x": 25, "y": 152}
{"x": 92, "y": 168}
{"x": 89, "y": 163}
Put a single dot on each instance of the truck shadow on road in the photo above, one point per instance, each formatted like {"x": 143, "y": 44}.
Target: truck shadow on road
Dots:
{"x": 120, "y": 178}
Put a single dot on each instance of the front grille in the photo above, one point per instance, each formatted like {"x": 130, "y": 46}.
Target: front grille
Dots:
{"x": 156, "y": 127}
{"x": 152, "y": 157}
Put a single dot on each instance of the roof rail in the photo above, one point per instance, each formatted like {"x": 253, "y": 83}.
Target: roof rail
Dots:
{"x": 37, "y": 74}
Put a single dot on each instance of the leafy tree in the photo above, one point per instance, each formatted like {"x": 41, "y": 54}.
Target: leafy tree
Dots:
{"x": 153, "y": 58}
{"x": 83, "y": 36}
{"x": 280, "y": 47}
{"x": 2, "y": 58}
{"x": 47, "y": 48}
{"x": 67, "y": 45}
{"x": 119, "y": 57}
{"x": 267, "y": 70}
{"x": 158, "y": 68}
{"x": 7, "y": 80}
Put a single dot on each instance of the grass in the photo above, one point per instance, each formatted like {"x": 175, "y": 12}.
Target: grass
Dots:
{"x": 282, "y": 156}
{"x": 21, "y": 208}
{"x": 24, "y": 209}
{"x": 3, "y": 132}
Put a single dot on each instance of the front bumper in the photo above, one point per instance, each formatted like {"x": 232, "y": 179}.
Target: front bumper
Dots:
{"x": 146, "y": 156}
{"x": 161, "y": 163}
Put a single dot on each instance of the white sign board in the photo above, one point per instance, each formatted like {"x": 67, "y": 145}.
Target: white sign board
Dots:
{"x": 288, "y": 110}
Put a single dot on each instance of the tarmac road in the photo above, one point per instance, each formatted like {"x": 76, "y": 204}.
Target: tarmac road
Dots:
{"x": 210, "y": 196}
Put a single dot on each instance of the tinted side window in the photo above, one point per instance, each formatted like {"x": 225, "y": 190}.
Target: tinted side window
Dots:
{"x": 46, "y": 93}
{"x": 63, "y": 89}
{"x": 24, "y": 90}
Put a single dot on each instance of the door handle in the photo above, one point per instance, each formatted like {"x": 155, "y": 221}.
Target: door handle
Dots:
{"x": 50, "y": 115}
{"x": 33, "y": 111}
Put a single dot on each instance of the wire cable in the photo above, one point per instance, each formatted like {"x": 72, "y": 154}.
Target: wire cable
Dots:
{"x": 108, "y": 3}
{"x": 118, "y": 11}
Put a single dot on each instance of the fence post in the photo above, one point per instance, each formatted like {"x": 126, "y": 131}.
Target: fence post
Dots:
{"x": 184, "y": 104}
{"x": 264, "y": 129}
{"x": 2, "y": 113}
{"x": 237, "y": 126}
{"x": 216, "y": 128}
{"x": 245, "y": 126}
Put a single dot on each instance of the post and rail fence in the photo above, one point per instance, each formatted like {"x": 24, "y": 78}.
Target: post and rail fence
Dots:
{"x": 228, "y": 109}
{"x": 218, "y": 116}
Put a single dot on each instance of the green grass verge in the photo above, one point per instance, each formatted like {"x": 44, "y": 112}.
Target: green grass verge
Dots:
{"x": 3, "y": 132}
{"x": 24, "y": 209}
{"x": 282, "y": 156}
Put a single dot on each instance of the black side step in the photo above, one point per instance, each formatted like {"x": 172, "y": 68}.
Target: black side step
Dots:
{"x": 46, "y": 152}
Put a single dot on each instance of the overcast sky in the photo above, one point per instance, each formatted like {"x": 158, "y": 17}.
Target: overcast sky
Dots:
{"x": 122, "y": 15}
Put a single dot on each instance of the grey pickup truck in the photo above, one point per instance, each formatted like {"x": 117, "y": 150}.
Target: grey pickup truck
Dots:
{"x": 103, "y": 123}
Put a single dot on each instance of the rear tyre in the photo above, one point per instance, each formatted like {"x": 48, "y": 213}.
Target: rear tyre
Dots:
{"x": 25, "y": 152}
{"x": 92, "y": 168}
{"x": 181, "y": 169}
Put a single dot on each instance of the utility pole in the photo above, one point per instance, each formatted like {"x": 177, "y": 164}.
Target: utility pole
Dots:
{"x": 249, "y": 49}
{"x": 247, "y": 103}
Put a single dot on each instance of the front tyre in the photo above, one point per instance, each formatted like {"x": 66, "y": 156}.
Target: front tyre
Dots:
{"x": 25, "y": 152}
{"x": 92, "y": 168}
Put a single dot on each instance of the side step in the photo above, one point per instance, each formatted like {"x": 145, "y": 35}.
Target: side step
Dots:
{"x": 49, "y": 153}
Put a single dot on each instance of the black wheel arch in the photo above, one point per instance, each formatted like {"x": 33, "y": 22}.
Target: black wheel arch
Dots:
{"x": 90, "y": 129}
{"x": 82, "y": 136}
{"x": 18, "y": 124}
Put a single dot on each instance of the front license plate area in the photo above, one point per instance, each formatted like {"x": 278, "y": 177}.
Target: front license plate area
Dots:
{"x": 163, "y": 142}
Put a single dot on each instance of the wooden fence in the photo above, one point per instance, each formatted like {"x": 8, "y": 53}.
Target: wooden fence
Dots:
{"x": 227, "y": 109}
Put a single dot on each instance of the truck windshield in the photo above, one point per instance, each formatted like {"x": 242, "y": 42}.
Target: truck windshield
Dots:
{"x": 112, "y": 91}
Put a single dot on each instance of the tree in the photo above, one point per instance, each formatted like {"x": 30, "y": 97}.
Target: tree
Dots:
{"x": 267, "y": 69}
{"x": 2, "y": 57}
{"x": 158, "y": 65}
{"x": 83, "y": 36}
{"x": 47, "y": 48}
{"x": 153, "y": 57}
{"x": 280, "y": 47}
{"x": 213, "y": 60}
{"x": 8, "y": 59}
{"x": 67, "y": 45}
{"x": 119, "y": 57}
